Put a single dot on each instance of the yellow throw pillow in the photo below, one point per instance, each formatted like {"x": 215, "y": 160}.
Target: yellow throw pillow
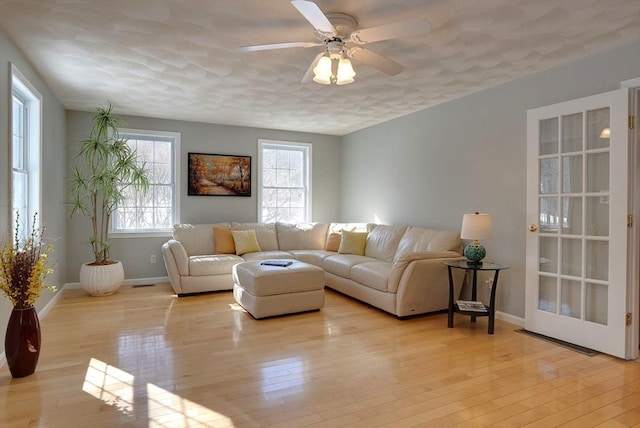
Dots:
{"x": 245, "y": 241}
{"x": 224, "y": 240}
{"x": 353, "y": 242}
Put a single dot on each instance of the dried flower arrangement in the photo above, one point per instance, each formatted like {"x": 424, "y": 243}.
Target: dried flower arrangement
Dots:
{"x": 23, "y": 267}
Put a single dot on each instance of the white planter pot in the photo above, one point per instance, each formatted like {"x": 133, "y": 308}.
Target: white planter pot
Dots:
{"x": 101, "y": 280}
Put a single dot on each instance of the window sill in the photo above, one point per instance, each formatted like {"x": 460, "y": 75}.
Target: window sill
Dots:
{"x": 151, "y": 234}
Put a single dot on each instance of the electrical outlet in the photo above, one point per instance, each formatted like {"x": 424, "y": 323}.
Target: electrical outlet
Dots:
{"x": 152, "y": 258}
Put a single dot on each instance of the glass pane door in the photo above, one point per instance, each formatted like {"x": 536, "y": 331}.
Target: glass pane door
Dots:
{"x": 573, "y": 205}
{"x": 577, "y": 181}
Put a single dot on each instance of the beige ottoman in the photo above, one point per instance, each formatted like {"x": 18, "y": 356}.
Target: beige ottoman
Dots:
{"x": 266, "y": 291}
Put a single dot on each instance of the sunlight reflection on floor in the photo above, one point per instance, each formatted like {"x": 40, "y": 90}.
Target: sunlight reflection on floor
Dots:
{"x": 110, "y": 385}
{"x": 115, "y": 387}
{"x": 285, "y": 376}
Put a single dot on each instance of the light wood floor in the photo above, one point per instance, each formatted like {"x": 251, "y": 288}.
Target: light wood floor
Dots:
{"x": 143, "y": 357}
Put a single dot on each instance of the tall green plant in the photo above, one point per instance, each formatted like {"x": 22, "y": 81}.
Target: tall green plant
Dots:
{"x": 110, "y": 169}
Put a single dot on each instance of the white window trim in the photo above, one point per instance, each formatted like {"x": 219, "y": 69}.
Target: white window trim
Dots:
{"x": 176, "y": 183}
{"x": 284, "y": 144}
{"x": 34, "y": 204}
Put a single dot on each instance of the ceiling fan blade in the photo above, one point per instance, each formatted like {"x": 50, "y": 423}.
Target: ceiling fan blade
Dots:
{"x": 308, "y": 76}
{"x": 375, "y": 60}
{"x": 315, "y": 16}
{"x": 285, "y": 45}
{"x": 412, "y": 27}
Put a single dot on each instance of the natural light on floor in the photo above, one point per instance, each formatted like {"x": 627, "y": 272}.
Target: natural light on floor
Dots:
{"x": 110, "y": 385}
{"x": 237, "y": 307}
{"x": 285, "y": 376}
{"x": 116, "y": 388}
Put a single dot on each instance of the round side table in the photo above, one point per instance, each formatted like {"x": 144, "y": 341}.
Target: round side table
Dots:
{"x": 485, "y": 311}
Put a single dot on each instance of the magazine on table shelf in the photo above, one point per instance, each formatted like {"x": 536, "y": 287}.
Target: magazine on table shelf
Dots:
{"x": 467, "y": 305}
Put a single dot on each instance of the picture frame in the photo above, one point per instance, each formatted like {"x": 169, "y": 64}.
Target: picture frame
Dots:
{"x": 218, "y": 175}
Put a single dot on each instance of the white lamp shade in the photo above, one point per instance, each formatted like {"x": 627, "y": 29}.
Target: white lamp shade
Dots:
{"x": 322, "y": 71}
{"x": 476, "y": 226}
{"x": 345, "y": 72}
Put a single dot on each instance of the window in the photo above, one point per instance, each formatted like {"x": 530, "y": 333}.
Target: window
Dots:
{"x": 155, "y": 211}
{"x": 285, "y": 181}
{"x": 26, "y": 130}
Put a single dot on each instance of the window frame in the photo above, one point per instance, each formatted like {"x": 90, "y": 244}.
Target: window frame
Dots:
{"x": 305, "y": 148}
{"x": 31, "y": 143}
{"x": 175, "y": 140}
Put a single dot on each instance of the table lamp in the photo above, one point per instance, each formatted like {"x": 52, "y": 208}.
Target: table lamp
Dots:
{"x": 475, "y": 226}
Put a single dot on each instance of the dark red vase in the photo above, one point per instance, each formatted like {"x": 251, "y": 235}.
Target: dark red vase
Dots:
{"x": 22, "y": 342}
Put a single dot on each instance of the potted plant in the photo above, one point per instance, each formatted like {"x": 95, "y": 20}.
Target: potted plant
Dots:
{"x": 23, "y": 267}
{"x": 109, "y": 170}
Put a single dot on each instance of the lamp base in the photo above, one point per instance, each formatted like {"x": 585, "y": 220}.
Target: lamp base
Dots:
{"x": 474, "y": 253}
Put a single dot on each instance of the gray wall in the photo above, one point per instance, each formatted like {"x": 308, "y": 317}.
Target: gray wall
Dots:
{"x": 431, "y": 167}
{"x": 54, "y": 157}
{"x": 206, "y": 138}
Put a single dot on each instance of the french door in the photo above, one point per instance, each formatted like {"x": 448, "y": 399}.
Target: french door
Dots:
{"x": 577, "y": 214}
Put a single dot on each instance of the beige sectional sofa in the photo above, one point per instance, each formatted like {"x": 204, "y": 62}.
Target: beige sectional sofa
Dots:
{"x": 400, "y": 270}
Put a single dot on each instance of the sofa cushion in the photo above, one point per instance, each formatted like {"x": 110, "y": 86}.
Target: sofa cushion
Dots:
{"x": 421, "y": 239}
{"x": 265, "y": 232}
{"x": 265, "y": 255}
{"x": 372, "y": 274}
{"x": 382, "y": 242}
{"x": 301, "y": 236}
{"x": 341, "y": 264}
{"x": 353, "y": 243}
{"x": 196, "y": 239}
{"x": 245, "y": 241}
{"x": 313, "y": 257}
{"x": 223, "y": 240}
{"x": 218, "y": 264}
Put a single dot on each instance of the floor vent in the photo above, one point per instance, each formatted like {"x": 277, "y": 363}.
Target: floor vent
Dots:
{"x": 577, "y": 348}
{"x": 143, "y": 285}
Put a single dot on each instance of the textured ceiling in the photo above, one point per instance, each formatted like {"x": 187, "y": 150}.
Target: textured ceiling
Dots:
{"x": 179, "y": 59}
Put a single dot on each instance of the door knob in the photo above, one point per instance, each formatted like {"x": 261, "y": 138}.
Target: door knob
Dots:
{"x": 533, "y": 227}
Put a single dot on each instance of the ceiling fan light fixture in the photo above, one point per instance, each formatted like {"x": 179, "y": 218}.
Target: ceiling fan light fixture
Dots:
{"x": 346, "y": 72}
{"x": 339, "y": 32}
{"x": 322, "y": 71}
{"x": 333, "y": 70}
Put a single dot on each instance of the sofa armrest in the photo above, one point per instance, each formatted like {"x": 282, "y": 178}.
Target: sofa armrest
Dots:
{"x": 172, "y": 268}
{"x": 400, "y": 264}
{"x": 179, "y": 254}
{"x": 425, "y": 255}
{"x": 424, "y": 287}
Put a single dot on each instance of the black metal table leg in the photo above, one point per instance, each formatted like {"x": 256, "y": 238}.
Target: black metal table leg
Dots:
{"x": 474, "y": 290}
{"x": 492, "y": 303}
{"x": 451, "y": 302}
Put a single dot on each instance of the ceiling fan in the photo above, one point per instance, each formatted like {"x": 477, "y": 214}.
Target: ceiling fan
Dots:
{"x": 339, "y": 34}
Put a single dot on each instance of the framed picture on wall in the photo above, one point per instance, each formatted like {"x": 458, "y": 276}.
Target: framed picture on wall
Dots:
{"x": 219, "y": 175}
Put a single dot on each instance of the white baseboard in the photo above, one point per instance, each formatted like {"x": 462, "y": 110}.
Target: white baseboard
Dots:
{"x": 512, "y": 319}
{"x": 128, "y": 282}
{"x": 44, "y": 311}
